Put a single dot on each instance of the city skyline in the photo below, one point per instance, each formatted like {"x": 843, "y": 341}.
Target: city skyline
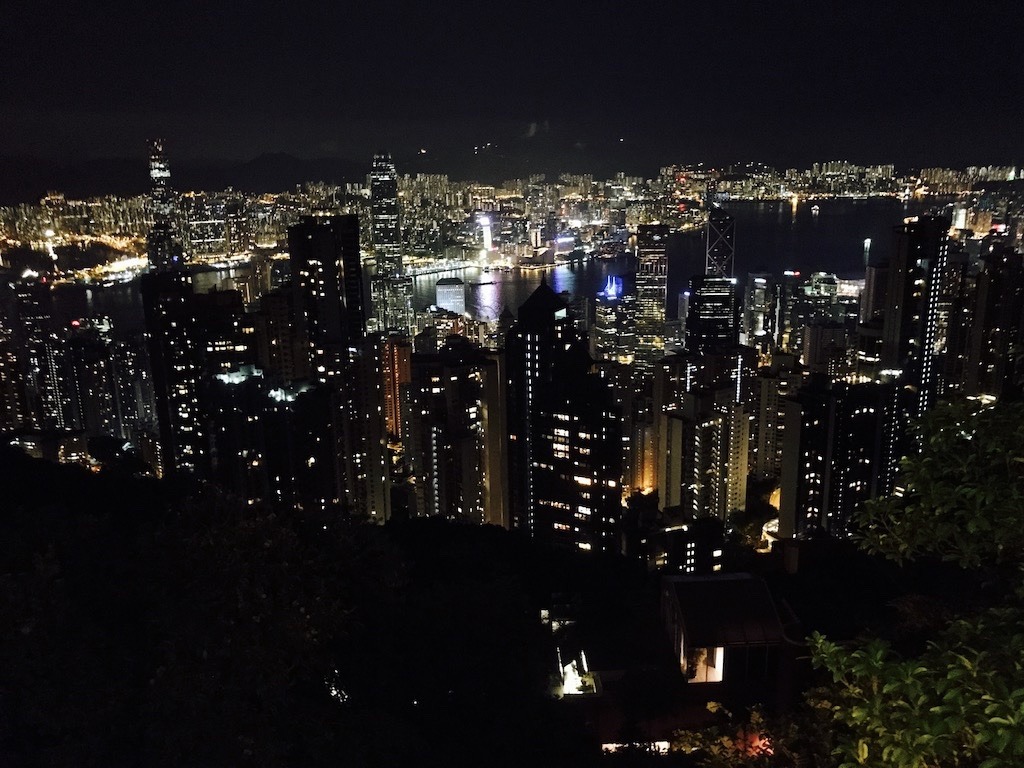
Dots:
{"x": 610, "y": 387}
{"x": 580, "y": 384}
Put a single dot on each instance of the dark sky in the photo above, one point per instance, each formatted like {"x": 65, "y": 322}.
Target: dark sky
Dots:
{"x": 788, "y": 83}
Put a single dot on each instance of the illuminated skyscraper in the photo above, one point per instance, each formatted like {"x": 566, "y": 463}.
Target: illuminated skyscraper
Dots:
{"x": 174, "y": 356}
{"x": 759, "y": 311}
{"x": 391, "y": 289}
{"x": 916, "y": 306}
{"x": 713, "y": 323}
{"x": 162, "y": 246}
{"x": 94, "y": 380}
{"x": 386, "y": 229}
{"x": 458, "y": 439}
{"x": 328, "y": 289}
{"x": 565, "y": 431}
{"x": 45, "y": 373}
{"x": 651, "y": 293}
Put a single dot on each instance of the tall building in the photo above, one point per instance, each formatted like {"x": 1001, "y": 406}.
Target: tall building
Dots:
{"x": 576, "y": 436}
{"x": 174, "y": 355}
{"x": 842, "y": 444}
{"x": 282, "y": 351}
{"x": 919, "y": 243}
{"x": 713, "y": 322}
{"x": 162, "y": 245}
{"x": 651, "y": 294}
{"x": 45, "y": 374}
{"x": 772, "y": 386}
{"x": 541, "y": 332}
{"x": 720, "y": 243}
{"x": 392, "y": 289}
{"x": 457, "y": 442}
{"x": 703, "y": 431}
{"x": 760, "y": 311}
{"x": 95, "y": 389}
{"x": 565, "y": 438}
{"x": 704, "y": 462}
{"x": 386, "y": 231}
{"x": 327, "y": 284}
{"x": 397, "y": 370}
{"x": 994, "y": 363}
{"x": 12, "y": 395}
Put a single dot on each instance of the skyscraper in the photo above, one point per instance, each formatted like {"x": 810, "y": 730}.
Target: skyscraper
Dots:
{"x": 565, "y": 434}
{"x": 94, "y": 382}
{"x": 386, "y": 231}
{"x": 327, "y": 285}
{"x": 44, "y": 358}
{"x": 162, "y": 246}
{"x": 391, "y": 288}
{"x": 450, "y": 294}
{"x": 457, "y": 442}
{"x": 713, "y": 323}
{"x": 720, "y": 245}
{"x": 760, "y": 311}
{"x": 714, "y": 306}
{"x": 651, "y": 294}
{"x": 174, "y": 348}
{"x": 916, "y": 305}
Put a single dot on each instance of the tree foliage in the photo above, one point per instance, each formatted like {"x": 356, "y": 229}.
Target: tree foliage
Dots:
{"x": 142, "y": 627}
{"x": 798, "y": 739}
{"x": 964, "y": 492}
{"x": 960, "y": 703}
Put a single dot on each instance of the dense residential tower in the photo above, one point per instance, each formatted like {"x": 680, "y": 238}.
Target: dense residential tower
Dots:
{"x": 565, "y": 438}
{"x": 174, "y": 355}
{"x": 457, "y": 440}
{"x": 327, "y": 284}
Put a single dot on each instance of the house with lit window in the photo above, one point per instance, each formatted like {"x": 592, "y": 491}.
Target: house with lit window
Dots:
{"x": 724, "y": 628}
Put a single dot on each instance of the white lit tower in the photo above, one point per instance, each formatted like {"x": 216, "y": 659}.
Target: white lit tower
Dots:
{"x": 161, "y": 244}
{"x": 391, "y": 288}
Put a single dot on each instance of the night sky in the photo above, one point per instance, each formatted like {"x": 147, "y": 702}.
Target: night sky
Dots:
{"x": 583, "y": 86}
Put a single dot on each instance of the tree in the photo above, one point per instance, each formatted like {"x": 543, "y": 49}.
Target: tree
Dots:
{"x": 964, "y": 491}
{"x": 961, "y": 701}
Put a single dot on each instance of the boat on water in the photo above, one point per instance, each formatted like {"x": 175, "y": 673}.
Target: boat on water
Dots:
{"x": 815, "y": 210}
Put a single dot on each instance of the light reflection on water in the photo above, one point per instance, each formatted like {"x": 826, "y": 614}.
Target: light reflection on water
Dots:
{"x": 769, "y": 235}
{"x": 489, "y": 293}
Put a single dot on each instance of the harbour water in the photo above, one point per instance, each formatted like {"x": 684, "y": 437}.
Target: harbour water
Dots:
{"x": 770, "y": 236}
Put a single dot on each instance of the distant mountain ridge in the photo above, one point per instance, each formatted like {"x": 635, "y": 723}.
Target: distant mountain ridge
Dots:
{"x": 27, "y": 179}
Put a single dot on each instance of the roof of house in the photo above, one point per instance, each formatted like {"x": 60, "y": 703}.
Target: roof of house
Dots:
{"x": 730, "y": 609}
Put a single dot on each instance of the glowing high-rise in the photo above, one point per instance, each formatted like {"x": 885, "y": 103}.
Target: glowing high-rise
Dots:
{"x": 161, "y": 244}
{"x": 391, "y": 289}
